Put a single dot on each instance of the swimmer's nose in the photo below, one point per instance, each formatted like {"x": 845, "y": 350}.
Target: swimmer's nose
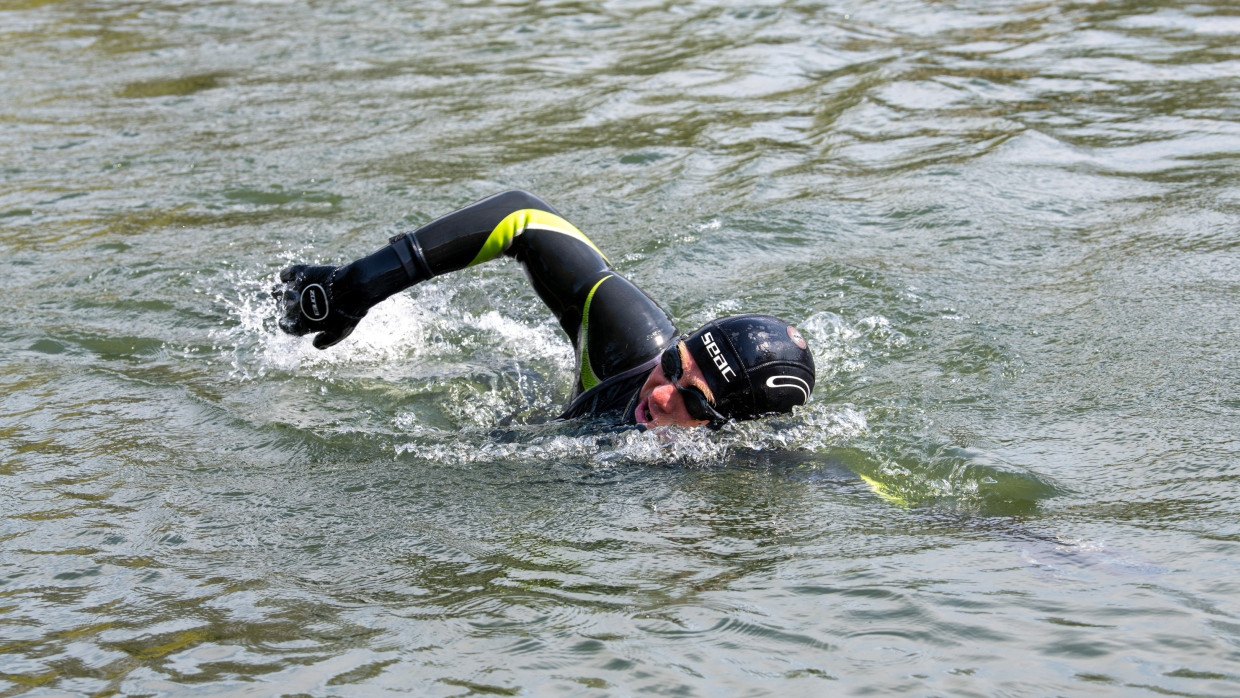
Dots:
{"x": 662, "y": 397}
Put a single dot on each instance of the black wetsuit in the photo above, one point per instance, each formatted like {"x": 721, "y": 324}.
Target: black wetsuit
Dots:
{"x": 617, "y": 330}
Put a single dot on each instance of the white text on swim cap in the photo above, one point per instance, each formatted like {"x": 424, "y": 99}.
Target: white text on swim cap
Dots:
{"x": 797, "y": 383}
{"x": 721, "y": 362}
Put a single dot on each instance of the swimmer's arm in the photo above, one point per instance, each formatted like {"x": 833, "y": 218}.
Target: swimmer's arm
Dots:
{"x": 514, "y": 223}
{"x": 563, "y": 266}
{"x": 612, "y": 325}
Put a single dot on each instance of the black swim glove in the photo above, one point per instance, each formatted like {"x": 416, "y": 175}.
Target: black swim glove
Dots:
{"x": 319, "y": 299}
{"x": 331, "y": 300}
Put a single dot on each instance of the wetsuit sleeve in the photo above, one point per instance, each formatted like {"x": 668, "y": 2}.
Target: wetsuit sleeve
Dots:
{"x": 612, "y": 324}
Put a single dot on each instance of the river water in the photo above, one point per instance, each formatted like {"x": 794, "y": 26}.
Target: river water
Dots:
{"x": 1010, "y": 231}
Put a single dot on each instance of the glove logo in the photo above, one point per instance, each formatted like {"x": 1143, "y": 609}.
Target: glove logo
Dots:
{"x": 314, "y": 302}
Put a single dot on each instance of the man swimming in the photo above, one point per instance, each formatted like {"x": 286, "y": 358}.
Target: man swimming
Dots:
{"x": 632, "y": 362}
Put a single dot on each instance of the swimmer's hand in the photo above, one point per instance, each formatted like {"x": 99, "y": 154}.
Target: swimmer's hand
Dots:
{"x": 318, "y": 299}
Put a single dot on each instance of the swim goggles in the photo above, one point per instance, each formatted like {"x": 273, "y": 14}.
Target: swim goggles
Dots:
{"x": 695, "y": 401}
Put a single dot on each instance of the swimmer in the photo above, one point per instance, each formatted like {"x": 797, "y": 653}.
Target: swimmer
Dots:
{"x": 633, "y": 364}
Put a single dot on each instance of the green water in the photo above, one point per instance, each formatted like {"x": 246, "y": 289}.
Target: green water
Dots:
{"x": 1010, "y": 232}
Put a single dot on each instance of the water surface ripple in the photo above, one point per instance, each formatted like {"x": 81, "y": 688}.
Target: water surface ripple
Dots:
{"x": 1009, "y": 231}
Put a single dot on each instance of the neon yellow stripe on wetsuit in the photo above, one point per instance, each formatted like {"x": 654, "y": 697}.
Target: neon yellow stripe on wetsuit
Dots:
{"x": 517, "y": 222}
{"x": 588, "y": 379}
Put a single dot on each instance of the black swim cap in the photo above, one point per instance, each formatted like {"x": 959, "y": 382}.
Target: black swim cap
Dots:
{"x": 754, "y": 364}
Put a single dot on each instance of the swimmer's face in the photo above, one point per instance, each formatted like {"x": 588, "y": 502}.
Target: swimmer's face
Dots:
{"x": 661, "y": 401}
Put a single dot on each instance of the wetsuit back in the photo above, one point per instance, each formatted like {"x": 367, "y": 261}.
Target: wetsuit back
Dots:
{"x": 617, "y": 331}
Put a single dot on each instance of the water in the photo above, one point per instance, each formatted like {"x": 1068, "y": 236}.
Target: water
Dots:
{"x": 1009, "y": 231}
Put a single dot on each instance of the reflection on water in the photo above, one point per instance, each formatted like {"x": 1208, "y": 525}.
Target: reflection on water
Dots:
{"x": 1009, "y": 234}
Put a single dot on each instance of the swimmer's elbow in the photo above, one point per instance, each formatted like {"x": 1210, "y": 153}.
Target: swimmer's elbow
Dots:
{"x": 519, "y": 199}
